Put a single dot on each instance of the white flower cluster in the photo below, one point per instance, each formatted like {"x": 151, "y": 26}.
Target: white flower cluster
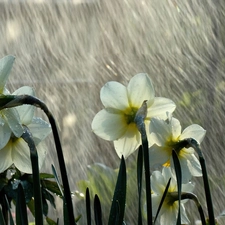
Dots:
{"x": 116, "y": 122}
{"x": 13, "y": 149}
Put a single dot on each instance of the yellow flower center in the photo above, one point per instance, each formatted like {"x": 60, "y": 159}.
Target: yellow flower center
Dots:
{"x": 129, "y": 114}
{"x": 171, "y": 143}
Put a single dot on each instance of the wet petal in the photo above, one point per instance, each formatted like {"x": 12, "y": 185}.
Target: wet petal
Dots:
{"x": 194, "y": 131}
{"x": 140, "y": 88}
{"x": 160, "y": 108}
{"x": 109, "y": 126}
{"x": 194, "y": 165}
{"x": 157, "y": 183}
{"x": 42, "y": 152}
{"x": 114, "y": 95}
{"x": 169, "y": 216}
{"x": 11, "y": 116}
{"x": 159, "y": 155}
{"x": 6, "y": 64}
{"x": 40, "y": 129}
{"x": 5, "y": 133}
{"x": 176, "y": 128}
{"x": 21, "y": 155}
{"x": 5, "y": 158}
{"x": 160, "y": 131}
{"x": 26, "y": 112}
{"x": 129, "y": 142}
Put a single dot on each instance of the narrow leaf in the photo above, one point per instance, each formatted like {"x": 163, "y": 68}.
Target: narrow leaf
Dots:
{"x": 88, "y": 207}
{"x": 162, "y": 200}
{"x": 139, "y": 182}
{"x": 97, "y": 211}
{"x": 119, "y": 198}
{"x": 21, "y": 209}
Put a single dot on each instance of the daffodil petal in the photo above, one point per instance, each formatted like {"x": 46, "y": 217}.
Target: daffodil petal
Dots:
{"x": 186, "y": 174}
{"x": 157, "y": 182}
{"x": 40, "y": 129}
{"x": 5, "y": 133}
{"x": 129, "y": 142}
{"x": 26, "y": 112}
{"x": 42, "y": 152}
{"x": 194, "y": 165}
{"x": 21, "y": 155}
{"x": 160, "y": 108}
{"x": 159, "y": 131}
{"x": 169, "y": 216}
{"x": 11, "y": 116}
{"x": 194, "y": 131}
{"x": 5, "y": 158}
{"x": 139, "y": 89}
{"x": 109, "y": 126}
{"x": 114, "y": 95}
{"x": 6, "y": 64}
{"x": 184, "y": 218}
{"x": 175, "y": 127}
{"x": 159, "y": 155}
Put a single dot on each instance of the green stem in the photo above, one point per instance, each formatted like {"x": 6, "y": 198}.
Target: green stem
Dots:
{"x": 139, "y": 182}
{"x": 190, "y": 142}
{"x": 18, "y": 100}
{"x": 27, "y": 136}
{"x": 139, "y": 121}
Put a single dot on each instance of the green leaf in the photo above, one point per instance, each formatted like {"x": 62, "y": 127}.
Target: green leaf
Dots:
{"x": 97, "y": 211}
{"x": 88, "y": 207}
{"x": 48, "y": 196}
{"x": 21, "y": 209}
{"x": 50, "y": 221}
{"x": 52, "y": 187}
{"x": 9, "y": 209}
{"x": 139, "y": 182}
{"x": 3, "y": 182}
{"x": 2, "y": 221}
{"x": 162, "y": 200}
{"x": 119, "y": 199}
{"x": 46, "y": 176}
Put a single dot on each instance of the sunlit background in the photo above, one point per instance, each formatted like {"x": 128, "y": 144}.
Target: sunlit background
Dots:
{"x": 67, "y": 50}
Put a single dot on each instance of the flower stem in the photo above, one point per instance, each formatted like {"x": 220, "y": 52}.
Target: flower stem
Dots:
{"x": 18, "y": 100}
{"x": 194, "y": 144}
{"x": 139, "y": 120}
{"x": 27, "y": 136}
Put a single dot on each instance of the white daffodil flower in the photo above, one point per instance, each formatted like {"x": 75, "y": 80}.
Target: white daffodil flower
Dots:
{"x": 116, "y": 121}
{"x": 169, "y": 210}
{"x": 9, "y": 118}
{"x": 16, "y": 150}
{"x": 164, "y": 137}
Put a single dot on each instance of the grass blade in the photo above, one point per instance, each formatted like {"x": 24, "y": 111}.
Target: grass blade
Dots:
{"x": 119, "y": 198}
{"x": 97, "y": 211}
{"x": 88, "y": 207}
{"x": 21, "y": 208}
{"x": 139, "y": 182}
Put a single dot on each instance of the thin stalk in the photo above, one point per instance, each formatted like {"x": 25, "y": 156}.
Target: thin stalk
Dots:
{"x": 139, "y": 182}
{"x": 27, "y": 136}
{"x": 18, "y": 100}
{"x": 194, "y": 144}
{"x": 139, "y": 120}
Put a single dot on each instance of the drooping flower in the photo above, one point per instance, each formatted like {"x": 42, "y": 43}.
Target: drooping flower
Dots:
{"x": 9, "y": 118}
{"x": 164, "y": 138}
{"x": 16, "y": 150}
{"x": 116, "y": 121}
{"x": 169, "y": 210}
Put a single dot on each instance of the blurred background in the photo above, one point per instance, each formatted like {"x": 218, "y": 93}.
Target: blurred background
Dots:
{"x": 67, "y": 50}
